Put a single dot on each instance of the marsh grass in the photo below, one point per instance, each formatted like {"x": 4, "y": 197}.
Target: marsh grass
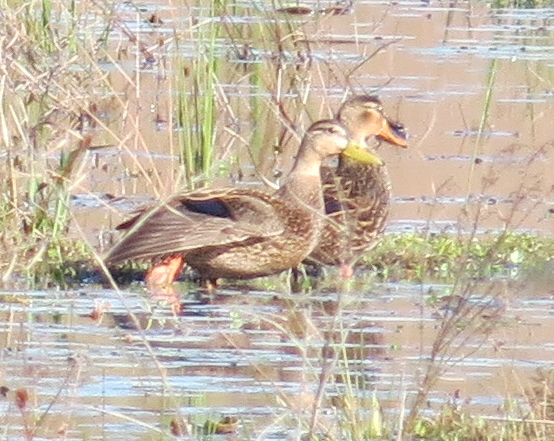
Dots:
{"x": 446, "y": 257}
{"x": 522, "y": 4}
{"x": 338, "y": 398}
{"x": 196, "y": 89}
{"x": 266, "y": 61}
{"x": 42, "y": 98}
{"x": 57, "y": 91}
{"x": 45, "y": 101}
{"x": 467, "y": 318}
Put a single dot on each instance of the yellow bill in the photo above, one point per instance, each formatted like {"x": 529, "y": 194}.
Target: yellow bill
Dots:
{"x": 359, "y": 153}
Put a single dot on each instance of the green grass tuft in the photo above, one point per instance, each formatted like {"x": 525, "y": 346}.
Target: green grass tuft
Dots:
{"x": 522, "y": 4}
{"x": 443, "y": 257}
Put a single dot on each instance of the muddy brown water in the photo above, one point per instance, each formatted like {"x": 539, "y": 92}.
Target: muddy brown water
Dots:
{"x": 432, "y": 65}
{"x": 258, "y": 355}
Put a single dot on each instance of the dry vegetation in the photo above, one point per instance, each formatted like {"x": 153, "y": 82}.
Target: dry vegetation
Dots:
{"x": 55, "y": 85}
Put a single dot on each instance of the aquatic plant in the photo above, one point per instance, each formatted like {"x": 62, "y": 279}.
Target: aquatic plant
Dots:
{"x": 43, "y": 100}
{"x": 54, "y": 85}
{"x": 196, "y": 86}
{"x": 446, "y": 257}
{"x": 522, "y": 4}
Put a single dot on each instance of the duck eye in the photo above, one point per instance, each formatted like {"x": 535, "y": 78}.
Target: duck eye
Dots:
{"x": 398, "y": 127}
{"x": 331, "y": 130}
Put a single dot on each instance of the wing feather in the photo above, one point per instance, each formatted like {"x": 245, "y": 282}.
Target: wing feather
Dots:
{"x": 174, "y": 228}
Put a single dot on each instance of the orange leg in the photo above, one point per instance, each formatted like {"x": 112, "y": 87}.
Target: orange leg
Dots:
{"x": 159, "y": 279}
{"x": 346, "y": 271}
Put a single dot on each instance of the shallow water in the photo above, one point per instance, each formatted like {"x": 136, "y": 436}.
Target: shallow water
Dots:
{"x": 258, "y": 356}
{"x": 434, "y": 66}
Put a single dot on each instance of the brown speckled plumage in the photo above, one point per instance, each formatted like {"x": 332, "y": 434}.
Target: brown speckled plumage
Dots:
{"x": 356, "y": 195}
{"x": 237, "y": 232}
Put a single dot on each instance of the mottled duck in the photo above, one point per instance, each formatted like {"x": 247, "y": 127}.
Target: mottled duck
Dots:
{"x": 356, "y": 195}
{"x": 238, "y": 233}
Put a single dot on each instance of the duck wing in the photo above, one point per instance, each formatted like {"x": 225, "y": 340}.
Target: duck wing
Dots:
{"x": 204, "y": 218}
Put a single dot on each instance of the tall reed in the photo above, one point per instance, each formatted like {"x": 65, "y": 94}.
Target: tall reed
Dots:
{"x": 42, "y": 99}
{"x": 195, "y": 87}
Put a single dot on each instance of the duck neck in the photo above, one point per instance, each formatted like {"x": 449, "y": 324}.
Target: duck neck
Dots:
{"x": 303, "y": 184}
